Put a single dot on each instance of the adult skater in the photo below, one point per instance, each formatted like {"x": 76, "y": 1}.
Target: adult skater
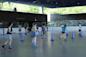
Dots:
{"x": 34, "y": 40}
{"x": 80, "y": 30}
{"x": 21, "y": 36}
{"x": 34, "y": 29}
{"x": 63, "y": 35}
{"x": 79, "y": 27}
{"x": 9, "y": 40}
{"x": 26, "y": 30}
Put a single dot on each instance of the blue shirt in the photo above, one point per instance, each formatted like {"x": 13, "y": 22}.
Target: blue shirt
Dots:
{"x": 63, "y": 28}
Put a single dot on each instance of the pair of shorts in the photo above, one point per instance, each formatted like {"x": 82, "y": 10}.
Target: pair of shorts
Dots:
{"x": 63, "y": 32}
{"x": 33, "y": 34}
{"x": 79, "y": 30}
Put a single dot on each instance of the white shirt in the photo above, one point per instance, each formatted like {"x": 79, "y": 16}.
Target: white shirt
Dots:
{"x": 39, "y": 29}
{"x": 34, "y": 28}
{"x": 79, "y": 26}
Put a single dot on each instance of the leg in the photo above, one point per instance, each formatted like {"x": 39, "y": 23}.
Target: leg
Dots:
{"x": 10, "y": 41}
{"x": 3, "y": 46}
{"x": 6, "y": 42}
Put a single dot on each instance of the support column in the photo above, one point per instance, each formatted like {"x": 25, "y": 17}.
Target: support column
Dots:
{"x": 41, "y": 10}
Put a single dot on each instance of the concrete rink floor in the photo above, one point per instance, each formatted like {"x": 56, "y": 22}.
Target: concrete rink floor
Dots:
{"x": 45, "y": 47}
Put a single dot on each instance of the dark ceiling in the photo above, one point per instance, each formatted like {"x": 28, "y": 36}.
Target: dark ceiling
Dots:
{"x": 52, "y": 3}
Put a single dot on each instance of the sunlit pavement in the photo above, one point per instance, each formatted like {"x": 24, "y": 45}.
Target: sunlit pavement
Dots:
{"x": 44, "y": 46}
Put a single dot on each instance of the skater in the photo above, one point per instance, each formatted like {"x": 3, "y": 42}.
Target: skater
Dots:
{"x": 34, "y": 29}
{"x": 9, "y": 40}
{"x": 26, "y": 30}
{"x": 26, "y": 27}
{"x": 80, "y": 31}
{"x": 34, "y": 40}
{"x": 20, "y": 33}
{"x": 40, "y": 31}
{"x": 63, "y": 35}
{"x": 79, "y": 27}
{"x": 43, "y": 29}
